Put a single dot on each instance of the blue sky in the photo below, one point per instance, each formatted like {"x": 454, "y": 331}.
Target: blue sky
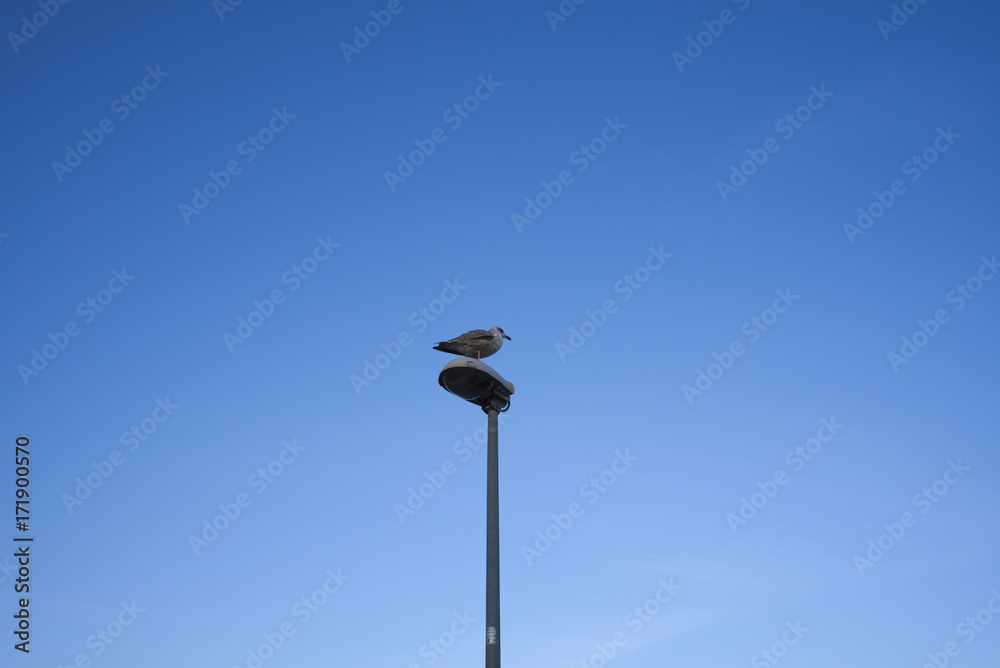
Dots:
{"x": 744, "y": 251}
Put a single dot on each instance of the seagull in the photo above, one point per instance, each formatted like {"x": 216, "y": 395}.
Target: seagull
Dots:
{"x": 478, "y": 341}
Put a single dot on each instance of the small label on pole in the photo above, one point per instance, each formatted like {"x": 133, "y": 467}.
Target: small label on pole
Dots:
{"x": 491, "y": 635}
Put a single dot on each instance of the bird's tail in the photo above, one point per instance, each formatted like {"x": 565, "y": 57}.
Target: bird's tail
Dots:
{"x": 445, "y": 348}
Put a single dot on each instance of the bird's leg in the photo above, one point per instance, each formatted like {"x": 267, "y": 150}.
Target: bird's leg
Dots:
{"x": 478, "y": 357}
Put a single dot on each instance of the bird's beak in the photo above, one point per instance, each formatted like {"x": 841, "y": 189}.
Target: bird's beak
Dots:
{"x": 506, "y": 337}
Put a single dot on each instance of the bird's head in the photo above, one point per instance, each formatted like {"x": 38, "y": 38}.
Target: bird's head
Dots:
{"x": 499, "y": 330}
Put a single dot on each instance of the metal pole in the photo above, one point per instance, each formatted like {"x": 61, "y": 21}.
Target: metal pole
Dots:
{"x": 492, "y": 545}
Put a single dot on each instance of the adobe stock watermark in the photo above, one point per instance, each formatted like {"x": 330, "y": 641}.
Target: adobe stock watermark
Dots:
{"x": 7, "y": 569}
{"x": 301, "y": 612}
{"x": 753, "y": 329}
{"x": 636, "y": 620}
{"x": 87, "y": 310}
{"x": 435, "y": 648}
{"x": 582, "y": 158}
{"x": 122, "y": 107}
{"x": 133, "y": 437}
{"x": 923, "y": 501}
{"x": 968, "y": 630}
{"x": 592, "y": 490}
{"x": 627, "y": 286}
{"x": 562, "y": 12}
{"x": 900, "y": 14}
{"x": 294, "y": 277}
{"x": 37, "y": 21}
{"x": 454, "y": 116}
{"x": 787, "y": 126}
{"x": 249, "y": 148}
{"x": 419, "y": 320}
{"x": 223, "y": 7}
{"x": 696, "y": 44}
{"x": 106, "y": 636}
{"x": 914, "y": 168}
{"x": 779, "y": 648}
{"x": 926, "y": 330}
{"x": 797, "y": 458}
{"x": 259, "y": 481}
{"x": 363, "y": 35}
{"x": 436, "y": 478}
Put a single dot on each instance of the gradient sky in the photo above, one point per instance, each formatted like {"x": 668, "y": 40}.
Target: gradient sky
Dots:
{"x": 744, "y": 251}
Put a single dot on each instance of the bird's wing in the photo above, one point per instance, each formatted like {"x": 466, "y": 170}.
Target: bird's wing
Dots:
{"x": 474, "y": 334}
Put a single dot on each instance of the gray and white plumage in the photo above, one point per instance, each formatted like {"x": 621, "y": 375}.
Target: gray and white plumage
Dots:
{"x": 478, "y": 343}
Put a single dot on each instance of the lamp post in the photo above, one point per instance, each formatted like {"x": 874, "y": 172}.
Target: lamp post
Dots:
{"x": 477, "y": 383}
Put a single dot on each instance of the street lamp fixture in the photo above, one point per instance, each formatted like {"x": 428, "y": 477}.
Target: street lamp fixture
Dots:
{"x": 476, "y": 382}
